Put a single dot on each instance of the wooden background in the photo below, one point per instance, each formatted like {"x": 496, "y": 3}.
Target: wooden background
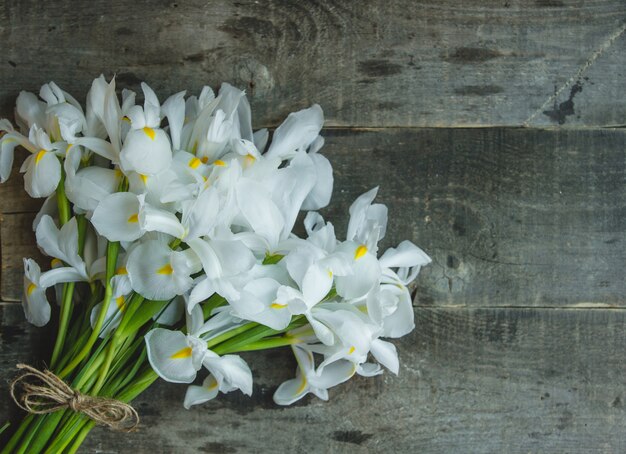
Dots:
{"x": 494, "y": 130}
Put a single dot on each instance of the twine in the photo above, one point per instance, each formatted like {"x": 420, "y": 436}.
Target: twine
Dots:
{"x": 43, "y": 392}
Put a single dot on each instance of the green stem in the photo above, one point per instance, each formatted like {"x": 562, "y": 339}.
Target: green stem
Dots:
{"x": 230, "y": 334}
{"x": 70, "y": 429}
{"x": 81, "y": 437}
{"x": 62, "y": 201}
{"x": 112, "y": 251}
{"x": 253, "y": 335}
{"x": 243, "y": 339}
{"x": 148, "y": 377}
{"x": 46, "y": 427}
{"x": 104, "y": 370}
{"x": 271, "y": 342}
{"x": 16, "y": 437}
{"x": 64, "y": 317}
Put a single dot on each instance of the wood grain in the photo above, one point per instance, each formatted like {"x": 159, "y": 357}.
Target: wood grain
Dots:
{"x": 511, "y": 217}
{"x": 368, "y": 63}
{"x": 17, "y": 240}
{"x": 471, "y": 380}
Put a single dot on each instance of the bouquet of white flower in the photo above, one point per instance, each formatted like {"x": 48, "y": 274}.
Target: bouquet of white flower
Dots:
{"x": 170, "y": 232}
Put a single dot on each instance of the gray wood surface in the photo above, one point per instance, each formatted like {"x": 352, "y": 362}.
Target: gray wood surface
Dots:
{"x": 472, "y": 380}
{"x": 511, "y": 217}
{"x": 368, "y": 63}
{"x": 520, "y": 340}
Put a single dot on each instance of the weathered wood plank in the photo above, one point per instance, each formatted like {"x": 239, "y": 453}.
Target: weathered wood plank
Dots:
{"x": 471, "y": 380}
{"x": 17, "y": 240}
{"x": 13, "y": 197}
{"x": 511, "y": 217}
{"x": 368, "y": 63}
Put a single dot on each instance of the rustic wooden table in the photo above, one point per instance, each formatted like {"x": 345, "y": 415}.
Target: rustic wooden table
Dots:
{"x": 494, "y": 130}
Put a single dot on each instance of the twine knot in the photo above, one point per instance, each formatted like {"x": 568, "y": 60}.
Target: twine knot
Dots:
{"x": 41, "y": 392}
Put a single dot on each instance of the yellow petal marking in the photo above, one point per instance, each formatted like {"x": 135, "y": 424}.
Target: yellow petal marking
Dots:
{"x": 121, "y": 270}
{"x": 212, "y": 386}
{"x": 360, "y": 252}
{"x": 249, "y": 160}
{"x": 330, "y": 273}
{"x": 133, "y": 218}
{"x": 182, "y": 353}
{"x": 150, "y": 132}
{"x": 144, "y": 178}
{"x": 220, "y": 163}
{"x": 121, "y": 305}
{"x": 204, "y": 159}
{"x": 302, "y": 385}
{"x": 39, "y": 156}
{"x": 278, "y": 306}
{"x": 55, "y": 262}
{"x": 165, "y": 269}
{"x": 67, "y": 150}
{"x": 351, "y": 350}
{"x": 118, "y": 173}
{"x": 31, "y": 288}
{"x": 194, "y": 163}
{"x": 126, "y": 119}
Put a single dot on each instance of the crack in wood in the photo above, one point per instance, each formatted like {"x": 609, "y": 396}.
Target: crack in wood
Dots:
{"x": 579, "y": 73}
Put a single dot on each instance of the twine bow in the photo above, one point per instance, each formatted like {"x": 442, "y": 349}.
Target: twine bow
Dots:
{"x": 43, "y": 392}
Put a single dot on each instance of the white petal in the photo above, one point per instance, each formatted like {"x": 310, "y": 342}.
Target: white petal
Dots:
{"x": 174, "y": 109}
{"x": 34, "y": 301}
{"x": 61, "y": 244}
{"x": 290, "y": 186}
{"x": 405, "y": 255}
{"x": 369, "y": 369}
{"x": 99, "y": 146}
{"x": 292, "y": 390}
{"x": 170, "y": 355}
{"x": 259, "y": 210}
{"x": 297, "y": 132}
{"x": 112, "y": 114}
{"x": 233, "y": 255}
{"x": 203, "y": 290}
{"x": 197, "y": 395}
{"x": 200, "y": 216}
{"x": 333, "y": 374}
{"x": 43, "y": 174}
{"x": 7, "y": 147}
{"x": 316, "y": 284}
{"x": 155, "y": 220}
{"x": 90, "y": 185}
{"x": 30, "y": 109}
{"x": 366, "y": 272}
{"x": 116, "y": 217}
{"x": 401, "y": 320}
{"x": 322, "y": 332}
{"x": 146, "y": 151}
{"x": 386, "y": 354}
{"x": 234, "y": 370}
{"x": 320, "y": 195}
{"x": 151, "y": 106}
{"x": 59, "y": 275}
{"x": 260, "y": 139}
{"x": 155, "y": 272}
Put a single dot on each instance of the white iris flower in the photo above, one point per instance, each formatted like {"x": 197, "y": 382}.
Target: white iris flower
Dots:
{"x": 204, "y": 209}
